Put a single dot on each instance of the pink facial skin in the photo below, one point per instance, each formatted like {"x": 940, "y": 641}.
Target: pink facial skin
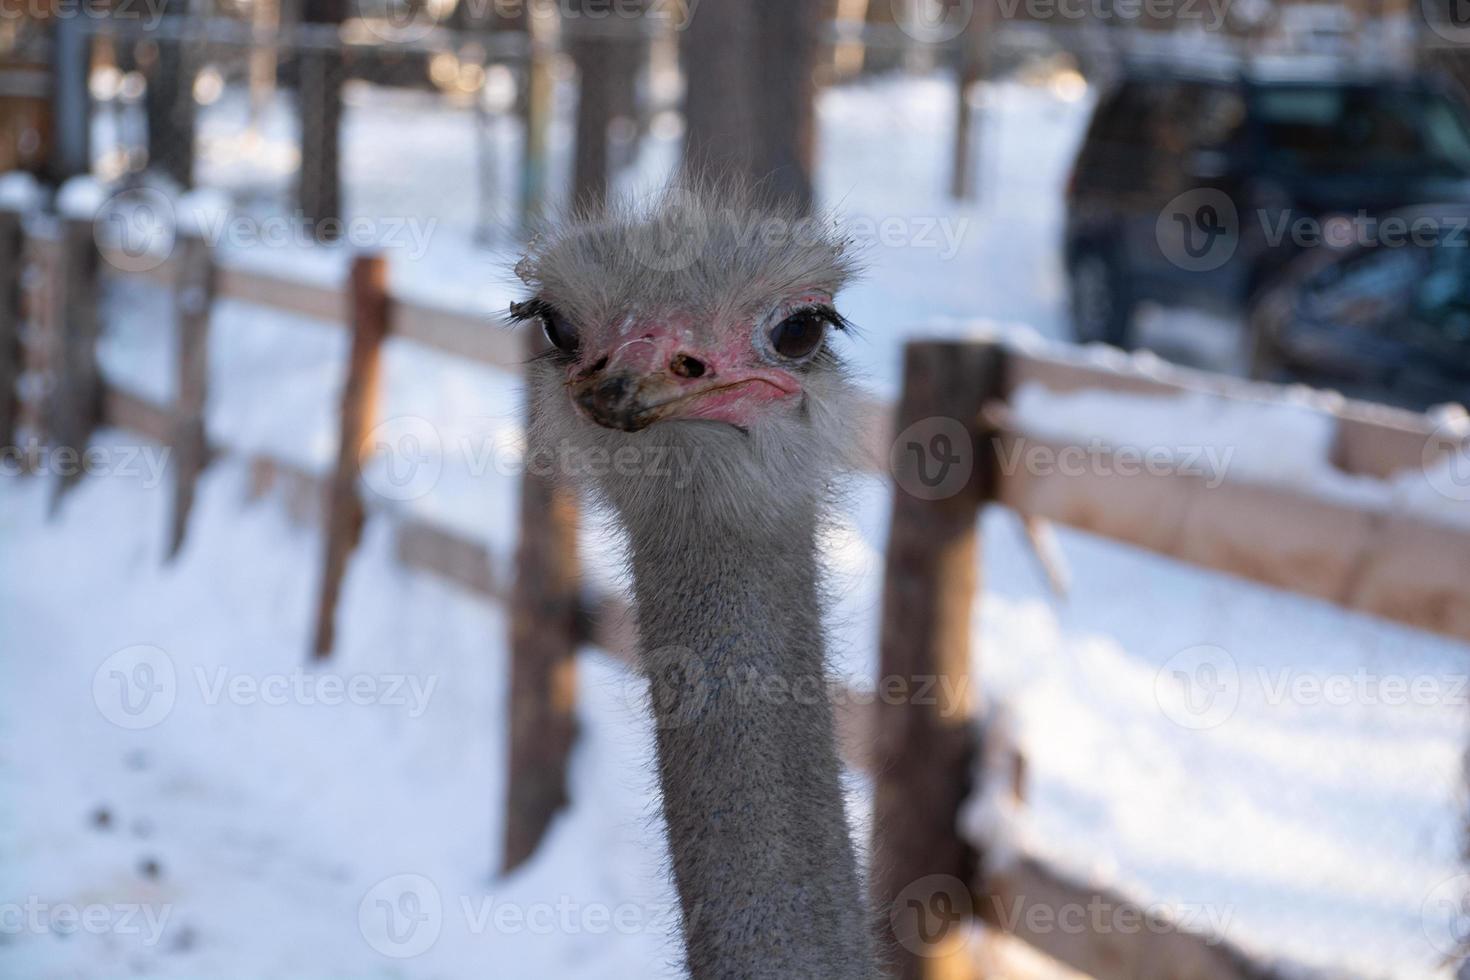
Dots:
{"x": 656, "y": 370}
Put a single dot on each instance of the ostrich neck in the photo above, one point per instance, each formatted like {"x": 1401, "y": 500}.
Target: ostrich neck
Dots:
{"x": 730, "y": 631}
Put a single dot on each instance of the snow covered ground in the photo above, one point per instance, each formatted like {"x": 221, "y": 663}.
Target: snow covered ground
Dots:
{"x": 176, "y": 779}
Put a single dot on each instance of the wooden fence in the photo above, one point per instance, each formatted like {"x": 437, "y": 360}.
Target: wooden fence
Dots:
{"x": 1394, "y": 565}
{"x": 921, "y": 756}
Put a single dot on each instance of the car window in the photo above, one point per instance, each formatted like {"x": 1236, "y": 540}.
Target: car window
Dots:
{"x": 1128, "y": 115}
{"x": 1398, "y": 288}
{"x": 1199, "y": 116}
{"x": 1443, "y": 297}
{"x": 1329, "y": 128}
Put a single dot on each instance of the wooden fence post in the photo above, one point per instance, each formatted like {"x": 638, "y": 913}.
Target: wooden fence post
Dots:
{"x": 345, "y": 510}
{"x": 12, "y": 245}
{"x": 545, "y": 627}
{"x": 74, "y": 406}
{"x": 193, "y": 298}
{"x": 926, "y": 741}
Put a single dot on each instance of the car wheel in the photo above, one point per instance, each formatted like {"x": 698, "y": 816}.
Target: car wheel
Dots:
{"x": 1101, "y": 309}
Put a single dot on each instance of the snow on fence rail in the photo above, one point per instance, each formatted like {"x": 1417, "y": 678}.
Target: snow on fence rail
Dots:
{"x": 921, "y": 755}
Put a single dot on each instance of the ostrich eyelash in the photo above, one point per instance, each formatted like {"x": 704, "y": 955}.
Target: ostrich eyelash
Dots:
{"x": 838, "y": 321}
{"x": 834, "y": 319}
{"x": 531, "y": 309}
{"x": 537, "y": 309}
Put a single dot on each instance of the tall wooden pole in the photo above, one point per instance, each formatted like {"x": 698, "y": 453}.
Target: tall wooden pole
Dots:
{"x": 193, "y": 299}
{"x": 926, "y": 740}
{"x": 345, "y": 510}
{"x": 545, "y": 626}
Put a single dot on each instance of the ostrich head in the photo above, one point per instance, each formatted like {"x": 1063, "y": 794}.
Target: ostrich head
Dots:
{"x": 691, "y": 369}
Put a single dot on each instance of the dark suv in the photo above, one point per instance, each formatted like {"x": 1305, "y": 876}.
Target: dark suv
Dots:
{"x": 1191, "y": 188}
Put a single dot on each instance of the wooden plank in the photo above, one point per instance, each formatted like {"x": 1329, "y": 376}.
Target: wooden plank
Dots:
{"x": 547, "y": 624}
{"x": 1107, "y": 936}
{"x": 474, "y": 337}
{"x": 483, "y": 339}
{"x": 345, "y": 510}
{"x": 193, "y": 301}
{"x": 1419, "y": 574}
{"x": 165, "y": 274}
{"x": 126, "y": 410}
{"x": 1378, "y": 441}
{"x": 432, "y": 549}
{"x": 283, "y": 293}
{"x": 925, "y": 746}
{"x": 304, "y": 493}
{"x": 1371, "y": 440}
{"x": 1395, "y": 566}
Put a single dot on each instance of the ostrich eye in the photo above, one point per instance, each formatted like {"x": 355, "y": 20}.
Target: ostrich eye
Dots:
{"x": 558, "y": 329}
{"x": 799, "y": 335}
{"x": 560, "y": 332}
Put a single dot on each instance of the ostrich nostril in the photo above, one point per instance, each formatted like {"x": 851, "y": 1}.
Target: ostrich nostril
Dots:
{"x": 687, "y": 367}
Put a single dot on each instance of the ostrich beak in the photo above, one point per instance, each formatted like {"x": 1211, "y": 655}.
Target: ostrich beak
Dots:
{"x": 657, "y": 377}
{"x": 618, "y": 401}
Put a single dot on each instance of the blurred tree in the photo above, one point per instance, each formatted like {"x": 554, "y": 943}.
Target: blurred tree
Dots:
{"x": 319, "y": 102}
{"x": 608, "y": 51}
{"x": 750, "y": 106}
{"x": 169, "y": 98}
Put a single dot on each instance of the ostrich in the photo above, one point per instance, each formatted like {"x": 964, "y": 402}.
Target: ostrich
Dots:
{"x": 698, "y": 328}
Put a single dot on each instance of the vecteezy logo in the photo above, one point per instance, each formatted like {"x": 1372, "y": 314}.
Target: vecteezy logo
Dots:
{"x": 135, "y": 229}
{"x": 1446, "y": 459}
{"x": 1445, "y": 915}
{"x": 933, "y": 21}
{"x": 1450, "y": 19}
{"x": 401, "y": 916}
{"x": 933, "y": 458}
{"x": 679, "y": 686}
{"x": 405, "y": 459}
{"x": 675, "y": 235}
{"x": 1199, "y": 230}
{"x": 928, "y": 914}
{"x": 136, "y": 687}
{"x": 397, "y": 20}
{"x": 1198, "y": 688}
